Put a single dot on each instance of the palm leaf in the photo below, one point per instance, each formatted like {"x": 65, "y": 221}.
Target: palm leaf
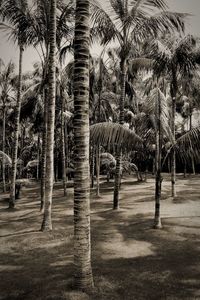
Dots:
{"x": 114, "y": 135}
{"x": 5, "y": 158}
{"x": 189, "y": 144}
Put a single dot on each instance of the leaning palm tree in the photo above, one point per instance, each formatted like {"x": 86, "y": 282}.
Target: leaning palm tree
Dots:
{"x": 173, "y": 56}
{"x": 129, "y": 24}
{"x": 47, "y": 222}
{"x": 17, "y": 21}
{"x": 82, "y": 247}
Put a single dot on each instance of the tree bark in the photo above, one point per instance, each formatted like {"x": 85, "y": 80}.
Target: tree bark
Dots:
{"x": 47, "y": 222}
{"x": 173, "y": 151}
{"x": 44, "y": 146}
{"x": 158, "y": 183}
{"x": 119, "y": 152}
{"x": 98, "y": 171}
{"x": 83, "y": 278}
{"x": 38, "y": 156}
{"x": 16, "y": 132}
{"x": 3, "y": 148}
{"x": 64, "y": 177}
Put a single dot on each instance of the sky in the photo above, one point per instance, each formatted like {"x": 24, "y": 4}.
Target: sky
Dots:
{"x": 8, "y": 51}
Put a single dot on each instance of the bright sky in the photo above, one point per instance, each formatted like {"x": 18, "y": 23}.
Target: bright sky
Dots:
{"x": 9, "y": 51}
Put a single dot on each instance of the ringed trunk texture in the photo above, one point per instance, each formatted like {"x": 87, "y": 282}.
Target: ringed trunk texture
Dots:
{"x": 16, "y": 133}
{"x": 47, "y": 222}
{"x": 98, "y": 146}
{"x": 83, "y": 278}
{"x": 119, "y": 152}
{"x": 173, "y": 151}
{"x": 44, "y": 147}
{"x": 92, "y": 166}
{"x": 38, "y": 157}
{"x": 98, "y": 170}
{"x": 64, "y": 177}
{"x": 158, "y": 183}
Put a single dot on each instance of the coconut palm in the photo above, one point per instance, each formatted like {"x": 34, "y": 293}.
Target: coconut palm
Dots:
{"x": 130, "y": 23}
{"x": 159, "y": 111}
{"x": 82, "y": 248}
{"x": 6, "y": 77}
{"x": 18, "y": 23}
{"x": 173, "y": 56}
{"x": 64, "y": 33}
{"x": 47, "y": 222}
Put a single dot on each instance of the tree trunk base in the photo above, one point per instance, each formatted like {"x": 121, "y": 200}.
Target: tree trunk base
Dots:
{"x": 11, "y": 205}
{"x": 157, "y": 223}
{"x": 46, "y": 226}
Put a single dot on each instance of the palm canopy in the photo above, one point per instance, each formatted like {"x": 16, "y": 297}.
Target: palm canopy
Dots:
{"x": 64, "y": 20}
{"x": 128, "y": 21}
{"x": 173, "y": 55}
{"x": 189, "y": 144}
{"x": 6, "y": 83}
{"x": 156, "y": 98}
{"x": 17, "y": 21}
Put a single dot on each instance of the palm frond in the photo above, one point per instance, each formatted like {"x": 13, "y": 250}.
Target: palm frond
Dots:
{"x": 189, "y": 144}
{"x": 6, "y": 158}
{"x": 114, "y": 135}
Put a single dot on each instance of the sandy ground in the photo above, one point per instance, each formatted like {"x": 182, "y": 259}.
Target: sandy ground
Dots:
{"x": 130, "y": 259}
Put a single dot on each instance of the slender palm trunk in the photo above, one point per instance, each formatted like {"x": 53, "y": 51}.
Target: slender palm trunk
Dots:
{"x": 173, "y": 151}
{"x": 158, "y": 183}
{"x": 98, "y": 170}
{"x": 192, "y": 157}
{"x": 16, "y": 132}
{"x": 44, "y": 146}
{"x": 185, "y": 168}
{"x": 47, "y": 222}
{"x": 64, "y": 177}
{"x": 83, "y": 278}
{"x": 119, "y": 153}
{"x": 38, "y": 156}
{"x": 98, "y": 146}
{"x": 92, "y": 166}
{"x": 3, "y": 148}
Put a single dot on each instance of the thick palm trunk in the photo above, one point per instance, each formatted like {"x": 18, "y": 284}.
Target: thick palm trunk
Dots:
{"x": 16, "y": 133}
{"x": 3, "y": 149}
{"x": 47, "y": 222}
{"x": 119, "y": 153}
{"x": 64, "y": 177}
{"x": 83, "y": 278}
{"x": 44, "y": 147}
{"x": 158, "y": 183}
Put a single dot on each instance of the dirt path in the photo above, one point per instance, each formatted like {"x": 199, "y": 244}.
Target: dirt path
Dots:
{"x": 130, "y": 259}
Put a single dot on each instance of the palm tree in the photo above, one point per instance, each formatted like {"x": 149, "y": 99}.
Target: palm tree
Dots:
{"x": 82, "y": 247}
{"x": 64, "y": 30}
{"x": 6, "y": 76}
{"x": 174, "y": 57}
{"x": 18, "y": 22}
{"x": 158, "y": 111}
{"x": 47, "y": 222}
{"x": 131, "y": 23}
